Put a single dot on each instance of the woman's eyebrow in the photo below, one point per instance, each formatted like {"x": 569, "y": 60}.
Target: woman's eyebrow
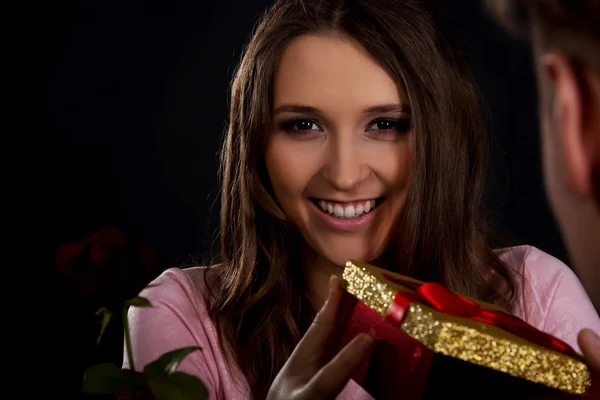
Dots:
{"x": 386, "y": 108}
{"x": 303, "y": 109}
{"x": 296, "y": 108}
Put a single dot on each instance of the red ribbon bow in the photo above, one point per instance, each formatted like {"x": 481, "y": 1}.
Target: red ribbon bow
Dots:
{"x": 448, "y": 302}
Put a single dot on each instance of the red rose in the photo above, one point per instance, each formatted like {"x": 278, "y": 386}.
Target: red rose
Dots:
{"x": 105, "y": 268}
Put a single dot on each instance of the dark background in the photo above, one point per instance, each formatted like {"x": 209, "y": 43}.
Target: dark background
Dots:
{"x": 127, "y": 103}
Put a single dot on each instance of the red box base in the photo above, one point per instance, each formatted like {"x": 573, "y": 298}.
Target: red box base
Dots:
{"x": 400, "y": 367}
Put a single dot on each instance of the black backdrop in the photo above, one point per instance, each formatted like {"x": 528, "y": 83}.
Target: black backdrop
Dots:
{"x": 129, "y": 105}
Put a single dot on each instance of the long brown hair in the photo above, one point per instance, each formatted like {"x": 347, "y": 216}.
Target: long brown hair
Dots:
{"x": 258, "y": 301}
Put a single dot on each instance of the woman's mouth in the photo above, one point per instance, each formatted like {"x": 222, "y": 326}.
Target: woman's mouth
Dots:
{"x": 347, "y": 210}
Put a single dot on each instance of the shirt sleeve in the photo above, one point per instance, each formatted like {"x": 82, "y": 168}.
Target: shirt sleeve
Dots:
{"x": 175, "y": 320}
{"x": 558, "y": 303}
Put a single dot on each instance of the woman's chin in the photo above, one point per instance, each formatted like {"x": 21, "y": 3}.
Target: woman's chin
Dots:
{"x": 340, "y": 260}
{"x": 339, "y": 252}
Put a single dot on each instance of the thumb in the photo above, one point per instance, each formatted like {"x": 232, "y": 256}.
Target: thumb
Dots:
{"x": 590, "y": 345}
{"x": 324, "y": 322}
{"x": 313, "y": 346}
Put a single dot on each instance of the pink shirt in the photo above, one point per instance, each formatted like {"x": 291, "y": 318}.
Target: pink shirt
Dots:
{"x": 552, "y": 299}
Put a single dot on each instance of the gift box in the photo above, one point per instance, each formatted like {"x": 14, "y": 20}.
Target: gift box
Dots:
{"x": 432, "y": 343}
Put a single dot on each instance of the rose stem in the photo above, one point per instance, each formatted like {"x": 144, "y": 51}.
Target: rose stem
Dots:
{"x": 128, "y": 338}
{"x": 128, "y": 345}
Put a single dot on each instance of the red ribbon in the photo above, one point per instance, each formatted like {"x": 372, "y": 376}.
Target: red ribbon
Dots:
{"x": 448, "y": 302}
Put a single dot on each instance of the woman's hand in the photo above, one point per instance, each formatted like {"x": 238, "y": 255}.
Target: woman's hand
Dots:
{"x": 308, "y": 374}
{"x": 590, "y": 346}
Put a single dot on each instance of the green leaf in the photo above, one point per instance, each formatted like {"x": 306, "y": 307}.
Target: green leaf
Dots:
{"x": 106, "y": 316}
{"x": 168, "y": 362}
{"x": 107, "y": 378}
{"x": 178, "y": 386}
{"x": 167, "y": 383}
{"x": 138, "y": 302}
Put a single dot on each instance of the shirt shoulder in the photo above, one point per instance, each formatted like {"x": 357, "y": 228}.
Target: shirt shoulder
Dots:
{"x": 550, "y": 295}
{"x": 179, "y": 318}
{"x": 187, "y": 286}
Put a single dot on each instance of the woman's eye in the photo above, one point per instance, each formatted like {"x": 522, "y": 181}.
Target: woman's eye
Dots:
{"x": 300, "y": 125}
{"x": 388, "y": 129}
{"x": 396, "y": 125}
{"x": 383, "y": 124}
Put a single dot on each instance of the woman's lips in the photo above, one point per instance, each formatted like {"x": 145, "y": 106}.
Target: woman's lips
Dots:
{"x": 346, "y": 216}
{"x": 350, "y": 209}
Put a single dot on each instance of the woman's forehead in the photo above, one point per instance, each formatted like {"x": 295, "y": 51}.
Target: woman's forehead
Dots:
{"x": 330, "y": 69}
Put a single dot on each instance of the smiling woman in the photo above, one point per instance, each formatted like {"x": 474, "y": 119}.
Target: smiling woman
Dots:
{"x": 338, "y": 155}
{"x": 355, "y": 133}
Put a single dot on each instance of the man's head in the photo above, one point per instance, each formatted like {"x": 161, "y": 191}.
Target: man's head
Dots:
{"x": 565, "y": 38}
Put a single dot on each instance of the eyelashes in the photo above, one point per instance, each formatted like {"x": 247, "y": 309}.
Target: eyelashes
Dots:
{"x": 299, "y": 125}
{"x": 400, "y": 125}
{"x": 386, "y": 127}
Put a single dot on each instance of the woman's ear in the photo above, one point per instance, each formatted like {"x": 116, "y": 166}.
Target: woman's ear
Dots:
{"x": 570, "y": 121}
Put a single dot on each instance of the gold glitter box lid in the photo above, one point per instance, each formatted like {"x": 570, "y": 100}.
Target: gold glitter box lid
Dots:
{"x": 469, "y": 338}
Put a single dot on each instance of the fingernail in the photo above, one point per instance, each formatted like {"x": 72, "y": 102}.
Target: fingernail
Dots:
{"x": 595, "y": 338}
{"x": 366, "y": 340}
{"x": 332, "y": 281}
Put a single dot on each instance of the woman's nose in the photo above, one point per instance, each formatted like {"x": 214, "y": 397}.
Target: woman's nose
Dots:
{"x": 345, "y": 170}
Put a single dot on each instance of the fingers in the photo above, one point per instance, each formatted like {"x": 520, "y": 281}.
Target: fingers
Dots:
{"x": 323, "y": 326}
{"x": 332, "y": 378}
{"x": 328, "y": 312}
{"x": 313, "y": 351}
{"x": 590, "y": 345}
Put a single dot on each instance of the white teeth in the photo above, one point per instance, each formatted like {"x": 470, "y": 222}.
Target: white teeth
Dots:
{"x": 359, "y": 209}
{"x": 350, "y": 211}
{"x": 338, "y": 211}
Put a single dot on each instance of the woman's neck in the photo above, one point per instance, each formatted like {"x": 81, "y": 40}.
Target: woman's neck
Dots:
{"x": 317, "y": 271}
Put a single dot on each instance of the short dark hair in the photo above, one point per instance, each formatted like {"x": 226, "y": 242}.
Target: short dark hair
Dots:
{"x": 571, "y": 26}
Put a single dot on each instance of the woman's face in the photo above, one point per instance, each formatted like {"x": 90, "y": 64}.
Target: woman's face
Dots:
{"x": 339, "y": 149}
